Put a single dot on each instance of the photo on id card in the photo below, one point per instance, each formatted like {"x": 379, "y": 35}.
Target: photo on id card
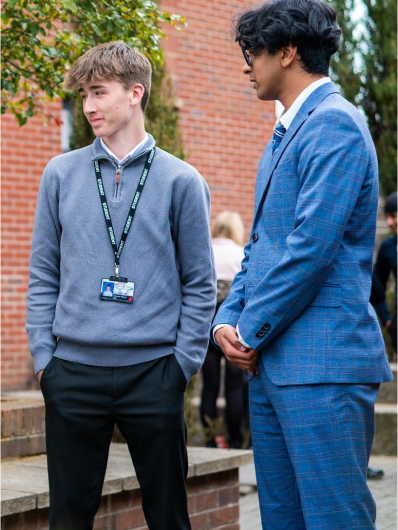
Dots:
{"x": 117, "y": 291}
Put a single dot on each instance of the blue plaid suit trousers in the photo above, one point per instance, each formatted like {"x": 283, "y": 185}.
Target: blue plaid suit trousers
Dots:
{"x": 311, "y": 447}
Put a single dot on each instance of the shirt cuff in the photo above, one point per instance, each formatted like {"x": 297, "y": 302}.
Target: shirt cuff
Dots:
{"x": 243, "y": 342}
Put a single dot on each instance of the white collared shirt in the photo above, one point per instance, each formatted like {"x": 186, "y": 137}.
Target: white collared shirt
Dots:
{"x": 286, "y": 119}
{"x": 288, "y": 116}
{"x": 129, "y": 155}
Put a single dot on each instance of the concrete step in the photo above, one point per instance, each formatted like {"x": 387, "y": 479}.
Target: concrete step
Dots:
{"x": 388, "y": 391}
{"x": 385, "y": 441}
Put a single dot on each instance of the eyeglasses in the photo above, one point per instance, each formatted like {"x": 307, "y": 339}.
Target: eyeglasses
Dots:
{"x": 247, "y": 57}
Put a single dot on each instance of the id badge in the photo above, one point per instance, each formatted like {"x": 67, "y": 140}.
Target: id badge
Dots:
{"x": 117, "y": 290}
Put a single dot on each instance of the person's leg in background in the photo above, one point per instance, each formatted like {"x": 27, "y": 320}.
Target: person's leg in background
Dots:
{"x": 392, "y": 331}
{"x": 211, "y": 374}
{"x": 246, "y": 412}
{"x": 234, "y": 385}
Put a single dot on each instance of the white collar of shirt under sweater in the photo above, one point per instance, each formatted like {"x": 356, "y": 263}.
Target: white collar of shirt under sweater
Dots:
{"x": 289, "y": 115}
{"x": 129, "y": 155}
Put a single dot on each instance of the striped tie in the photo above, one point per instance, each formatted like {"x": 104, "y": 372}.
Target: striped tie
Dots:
{"x": 279, "y": 133}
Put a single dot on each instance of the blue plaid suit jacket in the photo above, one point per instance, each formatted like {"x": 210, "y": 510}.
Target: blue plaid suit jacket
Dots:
{"x": 302, "y": 296}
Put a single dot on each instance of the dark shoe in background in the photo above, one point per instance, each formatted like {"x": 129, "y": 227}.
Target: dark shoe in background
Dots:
{"x": 375, "y": 474}
{"x": 235, "y": 444}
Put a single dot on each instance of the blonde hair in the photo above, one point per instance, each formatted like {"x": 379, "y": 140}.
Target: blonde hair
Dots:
{"x": 229, "y": 225}
{"x": 112, "y": 61}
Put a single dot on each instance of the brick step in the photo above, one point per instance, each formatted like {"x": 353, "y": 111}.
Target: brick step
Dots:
{"x": 22, "y": 424}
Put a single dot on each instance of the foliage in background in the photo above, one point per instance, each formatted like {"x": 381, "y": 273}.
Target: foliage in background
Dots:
{"x": 42, "y": 38}
{"x": 189, "y": 410}
{"x": 82, "y": 132}
{"x": 366, "y": 69}
{"x": 161, "y": 119}
{"x": 213, "y": 429}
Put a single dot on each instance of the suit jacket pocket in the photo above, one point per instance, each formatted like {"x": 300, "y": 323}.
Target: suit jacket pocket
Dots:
{"x": 328, "y": 296}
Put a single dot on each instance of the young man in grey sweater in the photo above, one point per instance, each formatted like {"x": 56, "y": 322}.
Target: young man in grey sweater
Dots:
{"x": 118, "y": 325}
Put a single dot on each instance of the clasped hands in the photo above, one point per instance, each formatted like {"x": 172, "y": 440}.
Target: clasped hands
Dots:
{"x": 244, "y": 358}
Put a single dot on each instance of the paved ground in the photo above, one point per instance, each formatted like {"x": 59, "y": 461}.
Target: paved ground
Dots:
{"x": 384, "y": 491}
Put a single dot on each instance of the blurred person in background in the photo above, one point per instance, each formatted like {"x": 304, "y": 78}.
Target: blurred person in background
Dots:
{"x": 385, "y": 264}
{"x": 227, "y": 238}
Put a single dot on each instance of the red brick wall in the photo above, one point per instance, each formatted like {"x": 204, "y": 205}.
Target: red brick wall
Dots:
{"x": 224, "y": 129}
{"x": 25, "y": 152}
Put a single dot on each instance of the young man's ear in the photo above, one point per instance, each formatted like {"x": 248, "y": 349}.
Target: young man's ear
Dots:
{"x": 288, "y": 55}
{"x": 137, "y": 92}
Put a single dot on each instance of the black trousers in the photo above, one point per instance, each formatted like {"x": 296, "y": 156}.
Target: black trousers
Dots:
{"x": 83, "y": 403}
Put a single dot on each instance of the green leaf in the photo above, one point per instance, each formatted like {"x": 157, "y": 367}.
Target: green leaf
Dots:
{"x": 69, "y": 4}
{"x": 33, "y": 28}
{"x": 33, "y": 64}
{"x": 96, "y": 29}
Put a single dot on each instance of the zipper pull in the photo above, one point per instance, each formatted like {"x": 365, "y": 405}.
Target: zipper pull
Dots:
{"x": 117, "y": 178}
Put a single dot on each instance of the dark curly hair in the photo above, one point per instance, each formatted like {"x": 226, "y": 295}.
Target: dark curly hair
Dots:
{"x": 390, "y": 206}
{"x": 308, "y": 24}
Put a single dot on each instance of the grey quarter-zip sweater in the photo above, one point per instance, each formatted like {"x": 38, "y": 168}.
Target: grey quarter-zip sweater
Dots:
{"x": 168, "y": 254}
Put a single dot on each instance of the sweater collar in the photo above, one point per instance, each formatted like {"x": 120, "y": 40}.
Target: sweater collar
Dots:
{"x": 99, "y": 152}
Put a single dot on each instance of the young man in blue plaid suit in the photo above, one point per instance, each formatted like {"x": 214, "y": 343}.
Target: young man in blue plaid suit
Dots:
{"x": 298, "y": 315}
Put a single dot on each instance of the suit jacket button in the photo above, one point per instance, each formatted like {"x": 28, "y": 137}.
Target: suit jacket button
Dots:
{"x": 266, "y": 327}
{"x": 254, "y": 238}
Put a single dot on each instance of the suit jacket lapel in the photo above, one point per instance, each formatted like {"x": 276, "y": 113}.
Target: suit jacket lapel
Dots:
{"x": 305, "y": 110}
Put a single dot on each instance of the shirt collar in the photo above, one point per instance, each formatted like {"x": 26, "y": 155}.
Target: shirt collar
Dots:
{"x": 129, "y": 155}
{"x": 288, "y": 116}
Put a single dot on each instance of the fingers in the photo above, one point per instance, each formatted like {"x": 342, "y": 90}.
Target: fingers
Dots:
{"x": 228, "y": 340}
{"x": 255, "y": 370}
{"x": 244, "y": 360}
{"x": 234, "y": 354}
{"x": 39, "y": 374}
